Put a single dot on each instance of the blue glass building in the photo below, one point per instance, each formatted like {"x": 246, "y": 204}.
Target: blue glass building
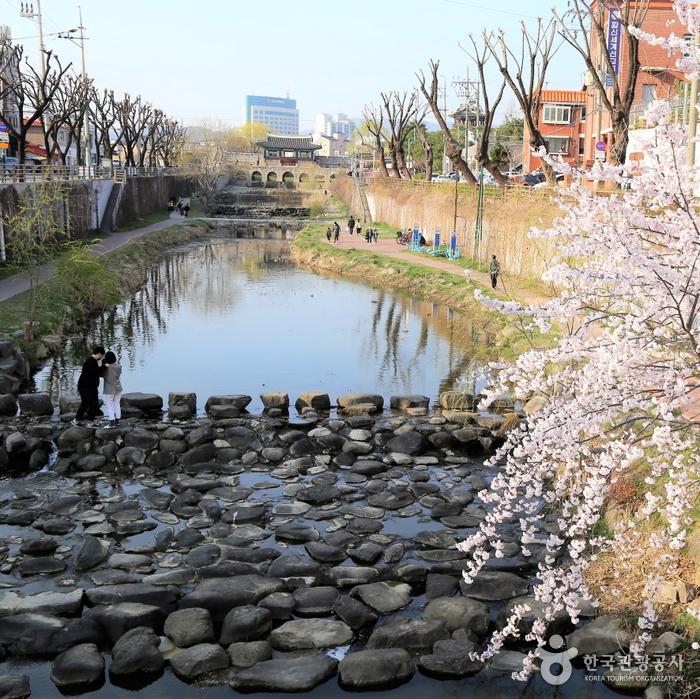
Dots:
{"x": 280, "y": 114}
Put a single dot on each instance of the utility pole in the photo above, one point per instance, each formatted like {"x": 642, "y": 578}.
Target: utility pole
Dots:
{"x": 80, "y": 29}
{"x": 27, "y": 10}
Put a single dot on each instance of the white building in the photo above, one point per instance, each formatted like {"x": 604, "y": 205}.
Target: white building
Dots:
{"x": 332, "y": 133}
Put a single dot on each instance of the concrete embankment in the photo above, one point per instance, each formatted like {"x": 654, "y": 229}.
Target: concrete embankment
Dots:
{"x": 508, "y": 216}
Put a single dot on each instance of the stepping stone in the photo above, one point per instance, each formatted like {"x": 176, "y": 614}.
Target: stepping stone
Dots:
{"x": 315, "y": 601}
{"x": 300, "y": 634}
{"x": 383, "y": 597}
{"x": 79, "y": 668}
{"x": 286, "y": 674}
{"x": 198, "y": 660}
{"x": 450, "y": 659}
{"x": 375, "y": 669}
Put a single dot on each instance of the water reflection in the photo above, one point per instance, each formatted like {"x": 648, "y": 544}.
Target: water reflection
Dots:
{"x": 238, "y": 316}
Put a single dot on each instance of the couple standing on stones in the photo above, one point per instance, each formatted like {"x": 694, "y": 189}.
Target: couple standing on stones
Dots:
{"x": 89, "y": 383}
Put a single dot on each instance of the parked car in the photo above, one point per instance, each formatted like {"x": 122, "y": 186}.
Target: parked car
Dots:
{"x": 537, "y": 178}
{"x": 449, "y": 177}
{"x": 9, "y": 164}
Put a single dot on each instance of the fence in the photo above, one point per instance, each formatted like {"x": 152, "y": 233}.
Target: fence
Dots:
{"x": 72, "y": 173}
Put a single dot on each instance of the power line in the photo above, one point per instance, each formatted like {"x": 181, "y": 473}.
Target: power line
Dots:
{"x": 490, "y": 9}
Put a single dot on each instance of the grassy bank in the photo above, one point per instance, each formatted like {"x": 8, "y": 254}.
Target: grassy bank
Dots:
{"x": 412, "y": 279}
{"x": 83, "y": 284}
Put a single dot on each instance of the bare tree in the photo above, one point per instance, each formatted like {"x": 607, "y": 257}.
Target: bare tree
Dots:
{"x": 28, "y": 91}
{"x": 480, "y": 55}
{"x": 62, "y": 122}
{"x": 210, "y": 158}
{"x": 132, "y": 116}
{"x": 104, "y": 117}
{"x": 170, "y": 145}
{"x": 426, "y": 145}
{"x": 585, "y": 20}
{"x": 374, "y": 122}
{"x": 400, "y": 109}
{"x": 525, "y": 69}
{"x": 453, "y": 148}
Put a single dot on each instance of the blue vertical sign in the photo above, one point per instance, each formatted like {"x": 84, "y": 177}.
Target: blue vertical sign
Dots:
{"x": 614, "y": 43}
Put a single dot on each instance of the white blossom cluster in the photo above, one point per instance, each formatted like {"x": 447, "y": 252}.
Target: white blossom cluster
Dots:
{"x": 616, "y": 389}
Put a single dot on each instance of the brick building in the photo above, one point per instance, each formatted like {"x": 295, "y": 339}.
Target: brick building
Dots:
{"x": 658, "y": 76}
{"x": 562, "y": 123}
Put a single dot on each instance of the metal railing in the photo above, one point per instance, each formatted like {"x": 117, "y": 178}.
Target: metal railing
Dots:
{"x": 69, "y": 173}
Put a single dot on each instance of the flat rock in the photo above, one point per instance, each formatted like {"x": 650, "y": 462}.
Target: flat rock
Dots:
{"x": 247, "y": 654}
{"x": 450, "y": 659}
{"x": 459, "y": 613}
{"x": 220, "y": 595}
{"x": 299, "y": 673}
{"x": 79, "y": 668}
{"x": 355, "y": 614}
{"x": 602, "y": 636}
{"x": 198, "y": 660}
{"x": 189, "y": 627}
{"x": 375, "y": 669}
{"x": 300, "y": 634}
{"x": 117, "y": 619}
{"x": 91, "y": 553}
{"x": 14, "y": 687}
{"x": 413, "y": 635}
{"x": 383, "y": 597}
{"x": 57, "y": 603}
{"x": 245, "y": 623}
{"x": 492, "y": 586}
{"x": 136, "y": 652}
{"x": 315, "y": 601}
{"x": 45, "y": 635}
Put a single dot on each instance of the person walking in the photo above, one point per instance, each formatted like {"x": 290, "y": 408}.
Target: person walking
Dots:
{"x": 351, "y": 224}
{"x": 359, "y": 230}
{"x": 88, "y": 385}
{"x": 179, "y": 206}
{"x": 329, "y": 234}
{"x": 368, "y": 236}
{"x": 112, "y": 388}
{"x": 375, "y": 234}
{"x": 336, "y": 231}
{"x": 494, "y": 271}
{"x": 186, "y": 209}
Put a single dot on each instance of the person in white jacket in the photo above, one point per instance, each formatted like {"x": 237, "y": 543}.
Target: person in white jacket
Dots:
{"x": 112, "y": 389}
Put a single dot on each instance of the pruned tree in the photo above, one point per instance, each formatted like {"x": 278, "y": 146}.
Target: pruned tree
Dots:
{"x": 132, "y": 116}
{"x": 481, "y": 55}
{"x": 400, "y": 109}
{"x": 104, "y": 119}
{"x": 374, "y": 123}
{"x": 62, "y": 123}
{"x": 426, "y": 145}
{"x": 524, "y": 70}
{"x": 28, "y": 91}
{"x": 587, "y": 20}
{"x": 453, "y": 148}
{"x": 169, "y": 144}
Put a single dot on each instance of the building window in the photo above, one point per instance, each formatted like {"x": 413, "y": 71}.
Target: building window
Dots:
{"x": 648, "y": 94}
{"x": 557, "y": 114}
{"x": 557, "y": 146}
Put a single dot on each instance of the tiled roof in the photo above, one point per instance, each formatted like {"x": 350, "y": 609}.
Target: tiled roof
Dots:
{"x": 298, "y": 142}
{"x": 564, "y": 96}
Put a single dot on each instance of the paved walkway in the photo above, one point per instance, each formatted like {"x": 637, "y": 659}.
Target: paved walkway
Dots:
{"x": 507, "y": 286}
{"x": 19, "y": 283}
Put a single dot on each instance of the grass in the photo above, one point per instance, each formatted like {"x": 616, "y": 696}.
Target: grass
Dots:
{"x": 147, "y": 220}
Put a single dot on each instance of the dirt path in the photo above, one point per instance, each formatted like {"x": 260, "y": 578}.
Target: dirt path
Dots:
{"x": 508, "y": 287}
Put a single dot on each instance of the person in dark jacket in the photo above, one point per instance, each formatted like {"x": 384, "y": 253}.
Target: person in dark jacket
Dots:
{"x": 336, "y": 232}
{"x": 88, "y": 385}
{"x": 351, "y": 225}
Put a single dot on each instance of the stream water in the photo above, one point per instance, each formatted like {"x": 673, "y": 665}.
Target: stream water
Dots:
{"x": 237, "y": 316}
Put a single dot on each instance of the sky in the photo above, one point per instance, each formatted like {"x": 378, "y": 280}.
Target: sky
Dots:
{"x": 198, "y": 60}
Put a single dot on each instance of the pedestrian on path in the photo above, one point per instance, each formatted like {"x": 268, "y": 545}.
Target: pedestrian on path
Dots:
{"x": 112, "y": 388}
{"x": 179, "y": 206}
{"x": 375, "y": 235}
{"x": 351, "y": 224}
{"x": 329, "y": 234}
{"x": 359, "y": 230}
{"x": 368, "y": 236}
{"x": 494, "y": 271}
{"x": 186, "y": 209}
{"x": 336, "y": 231}
{"x": 88, "y": 385}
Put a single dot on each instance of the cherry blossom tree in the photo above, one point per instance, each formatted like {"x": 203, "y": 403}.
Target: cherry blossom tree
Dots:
{"x": 615, "y": 392}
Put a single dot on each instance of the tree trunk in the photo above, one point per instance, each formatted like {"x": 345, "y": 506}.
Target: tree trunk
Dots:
{"x": 401, "y": 158}
{"x": 453, "y": 150}
{"x": 395, "y": 172}
{"x": 620, "y": 130}
{"x": 382, "y": 157}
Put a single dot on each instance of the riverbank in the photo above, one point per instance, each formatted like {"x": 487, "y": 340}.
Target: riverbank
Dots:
{"x": 84, "y": 281}
{"x": 423, "y": 277}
